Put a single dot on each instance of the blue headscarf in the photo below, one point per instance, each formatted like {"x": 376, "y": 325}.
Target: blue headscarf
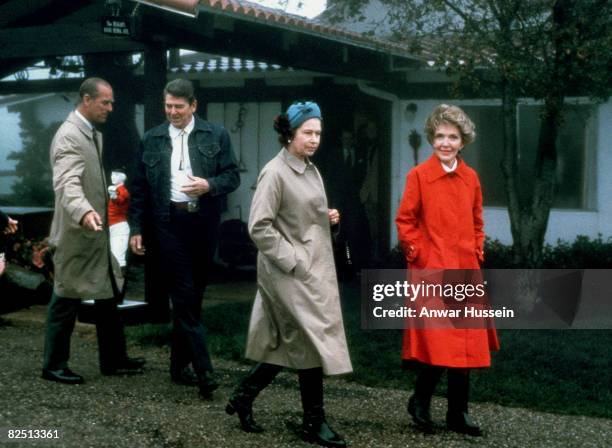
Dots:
{"x": 298, "y": 113}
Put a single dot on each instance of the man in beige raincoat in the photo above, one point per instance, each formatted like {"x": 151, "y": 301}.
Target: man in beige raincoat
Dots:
{"x": 84, "y": 267}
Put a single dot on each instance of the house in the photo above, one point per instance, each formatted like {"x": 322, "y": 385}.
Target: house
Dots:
{"x": 371, "y": 88}
{"x": 334, "y": 68}
{"x": 583, "y": 203}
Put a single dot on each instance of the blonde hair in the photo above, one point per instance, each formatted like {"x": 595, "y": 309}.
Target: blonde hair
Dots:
{"x": 447, "y": 114}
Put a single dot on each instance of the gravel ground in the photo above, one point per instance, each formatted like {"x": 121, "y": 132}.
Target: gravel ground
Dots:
{"x": 149, "y": 411}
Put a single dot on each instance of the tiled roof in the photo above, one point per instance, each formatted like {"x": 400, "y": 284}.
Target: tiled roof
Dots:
{"x": 245, "y": 10}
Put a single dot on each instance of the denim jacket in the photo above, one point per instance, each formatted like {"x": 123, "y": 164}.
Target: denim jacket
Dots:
{"x": 211, "y": 156}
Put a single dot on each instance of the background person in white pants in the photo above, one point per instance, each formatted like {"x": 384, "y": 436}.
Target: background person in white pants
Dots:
{"x": 117, "y": 217}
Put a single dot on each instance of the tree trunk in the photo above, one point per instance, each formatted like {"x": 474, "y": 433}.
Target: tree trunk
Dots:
{"x": 509, "y": 165}
{"x": 535, "y": 219}
{"x": 529, "y": 217}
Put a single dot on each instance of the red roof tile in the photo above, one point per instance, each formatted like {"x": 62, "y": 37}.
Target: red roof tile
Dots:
{"x": 254, "y": 11}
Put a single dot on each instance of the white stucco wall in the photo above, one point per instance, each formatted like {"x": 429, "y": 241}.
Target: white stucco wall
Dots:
{"x": 254, "y": 145}
{"x": 10, "y": 141}
{"x": 55, "y": 108}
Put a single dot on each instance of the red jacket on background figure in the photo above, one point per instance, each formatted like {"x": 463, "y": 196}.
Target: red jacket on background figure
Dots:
{"x": 440, "y": 226}
{"x": 118, "y": 207}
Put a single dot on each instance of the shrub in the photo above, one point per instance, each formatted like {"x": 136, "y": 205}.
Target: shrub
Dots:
{"x": 582, "y": 253}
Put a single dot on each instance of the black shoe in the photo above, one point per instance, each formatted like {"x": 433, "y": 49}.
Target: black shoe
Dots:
{"x": 184, "y": 377}
{"x": 463, "y": 424}
{"x": 420, "y": 416}
{"x": 128, "y": 366}
{"x": 65, "y": 376}
{"x": 319, "y": 432}
{"x": 245, "y": 414}
{"x": 207, "y": 386}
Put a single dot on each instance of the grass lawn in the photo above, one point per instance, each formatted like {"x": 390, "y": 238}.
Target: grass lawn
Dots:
{"x": 568, "y": 372}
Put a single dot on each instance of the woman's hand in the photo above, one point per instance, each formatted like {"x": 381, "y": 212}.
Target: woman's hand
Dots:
{"x": 334, "y": 216}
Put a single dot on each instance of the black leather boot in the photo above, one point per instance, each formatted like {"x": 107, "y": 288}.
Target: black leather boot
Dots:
{"x": 463, "y": 424}
{"x": 315, "y": 428}
{"x": 207, "y": 385}
{"x": 457, "y": 418}
{"x": 419, "y": 404}
{"x": 241, "y": 400}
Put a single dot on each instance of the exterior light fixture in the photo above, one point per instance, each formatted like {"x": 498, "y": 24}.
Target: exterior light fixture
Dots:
{"x": 410, "y": 112}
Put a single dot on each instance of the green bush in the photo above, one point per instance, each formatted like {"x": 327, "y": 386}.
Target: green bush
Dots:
{"x": 582, "y": 253}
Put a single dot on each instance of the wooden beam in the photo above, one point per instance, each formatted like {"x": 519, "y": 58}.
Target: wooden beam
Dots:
{"x": 155, "y": 68}
{"x": 263, "y": 42}
{"x": 40, "y": 86}
{"x": 250, "y": 41}
{"x": 60, "y": 40}
{"x": 12, "y": 11}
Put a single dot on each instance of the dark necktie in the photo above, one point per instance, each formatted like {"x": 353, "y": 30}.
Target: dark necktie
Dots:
{"x": 349, "y": 158}
{"x": 94, "y": 135}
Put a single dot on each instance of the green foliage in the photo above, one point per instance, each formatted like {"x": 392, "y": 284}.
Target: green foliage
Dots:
{"x": 582, "y": 253}
{"x": 226, "y": 328}
{"x": 537, "y": 47}
{"x": 149, "y": 334}
{"x": 567, "y": 372}
{"x": 547, "y": 50}
{"x": 34, "y": 185}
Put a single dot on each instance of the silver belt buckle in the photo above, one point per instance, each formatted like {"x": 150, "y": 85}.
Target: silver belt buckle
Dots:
{"x": 193, "y": 206}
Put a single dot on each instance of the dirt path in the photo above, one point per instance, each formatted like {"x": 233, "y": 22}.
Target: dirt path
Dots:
{"x": 149, "y": 411}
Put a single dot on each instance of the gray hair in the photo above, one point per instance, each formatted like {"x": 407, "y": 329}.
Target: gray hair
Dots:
{"x": 90, "y": 87}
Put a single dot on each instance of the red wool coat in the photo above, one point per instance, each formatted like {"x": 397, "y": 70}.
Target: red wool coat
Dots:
{"x": 439, "y": 224}
{"x": 118, "y": 208}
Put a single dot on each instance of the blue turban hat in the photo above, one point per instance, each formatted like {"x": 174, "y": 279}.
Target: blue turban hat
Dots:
{"x": 298, "y": 113}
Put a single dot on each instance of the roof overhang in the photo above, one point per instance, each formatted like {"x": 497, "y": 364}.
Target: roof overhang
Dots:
{"x": 234, "y": 28}
{"x": 188, "y": 8}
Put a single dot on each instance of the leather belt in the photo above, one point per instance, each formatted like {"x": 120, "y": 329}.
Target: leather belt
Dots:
{"x": 191, "y": 207}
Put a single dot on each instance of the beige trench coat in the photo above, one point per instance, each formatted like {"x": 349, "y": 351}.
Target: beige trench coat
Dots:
{"x": 81, "y": 256}
{"x": 296, "y": 319}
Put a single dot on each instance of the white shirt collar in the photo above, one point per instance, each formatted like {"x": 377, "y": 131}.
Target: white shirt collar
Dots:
{"x": 85, "y": 120}
{"x": 452, "y": 168}
{"x": 175, "y": 132}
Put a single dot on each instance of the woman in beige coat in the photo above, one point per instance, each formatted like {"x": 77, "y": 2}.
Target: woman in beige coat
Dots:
{"x": 296, "y": 320}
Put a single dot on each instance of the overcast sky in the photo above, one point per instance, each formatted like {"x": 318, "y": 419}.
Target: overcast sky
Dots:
{"x": 308, "y": 8}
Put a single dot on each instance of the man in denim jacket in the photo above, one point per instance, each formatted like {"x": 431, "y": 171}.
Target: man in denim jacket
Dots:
{"x": 184, "y": 169}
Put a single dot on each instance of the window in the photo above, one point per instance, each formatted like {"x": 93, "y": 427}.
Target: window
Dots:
{"x": 575, "y": 154}
{"x": 29, "y": 122}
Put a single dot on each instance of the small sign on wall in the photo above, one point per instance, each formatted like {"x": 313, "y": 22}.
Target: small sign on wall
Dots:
{"x": 116, "y": 26}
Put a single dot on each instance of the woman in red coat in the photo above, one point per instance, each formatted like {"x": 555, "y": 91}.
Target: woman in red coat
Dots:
{"x": 440, "y": 226}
